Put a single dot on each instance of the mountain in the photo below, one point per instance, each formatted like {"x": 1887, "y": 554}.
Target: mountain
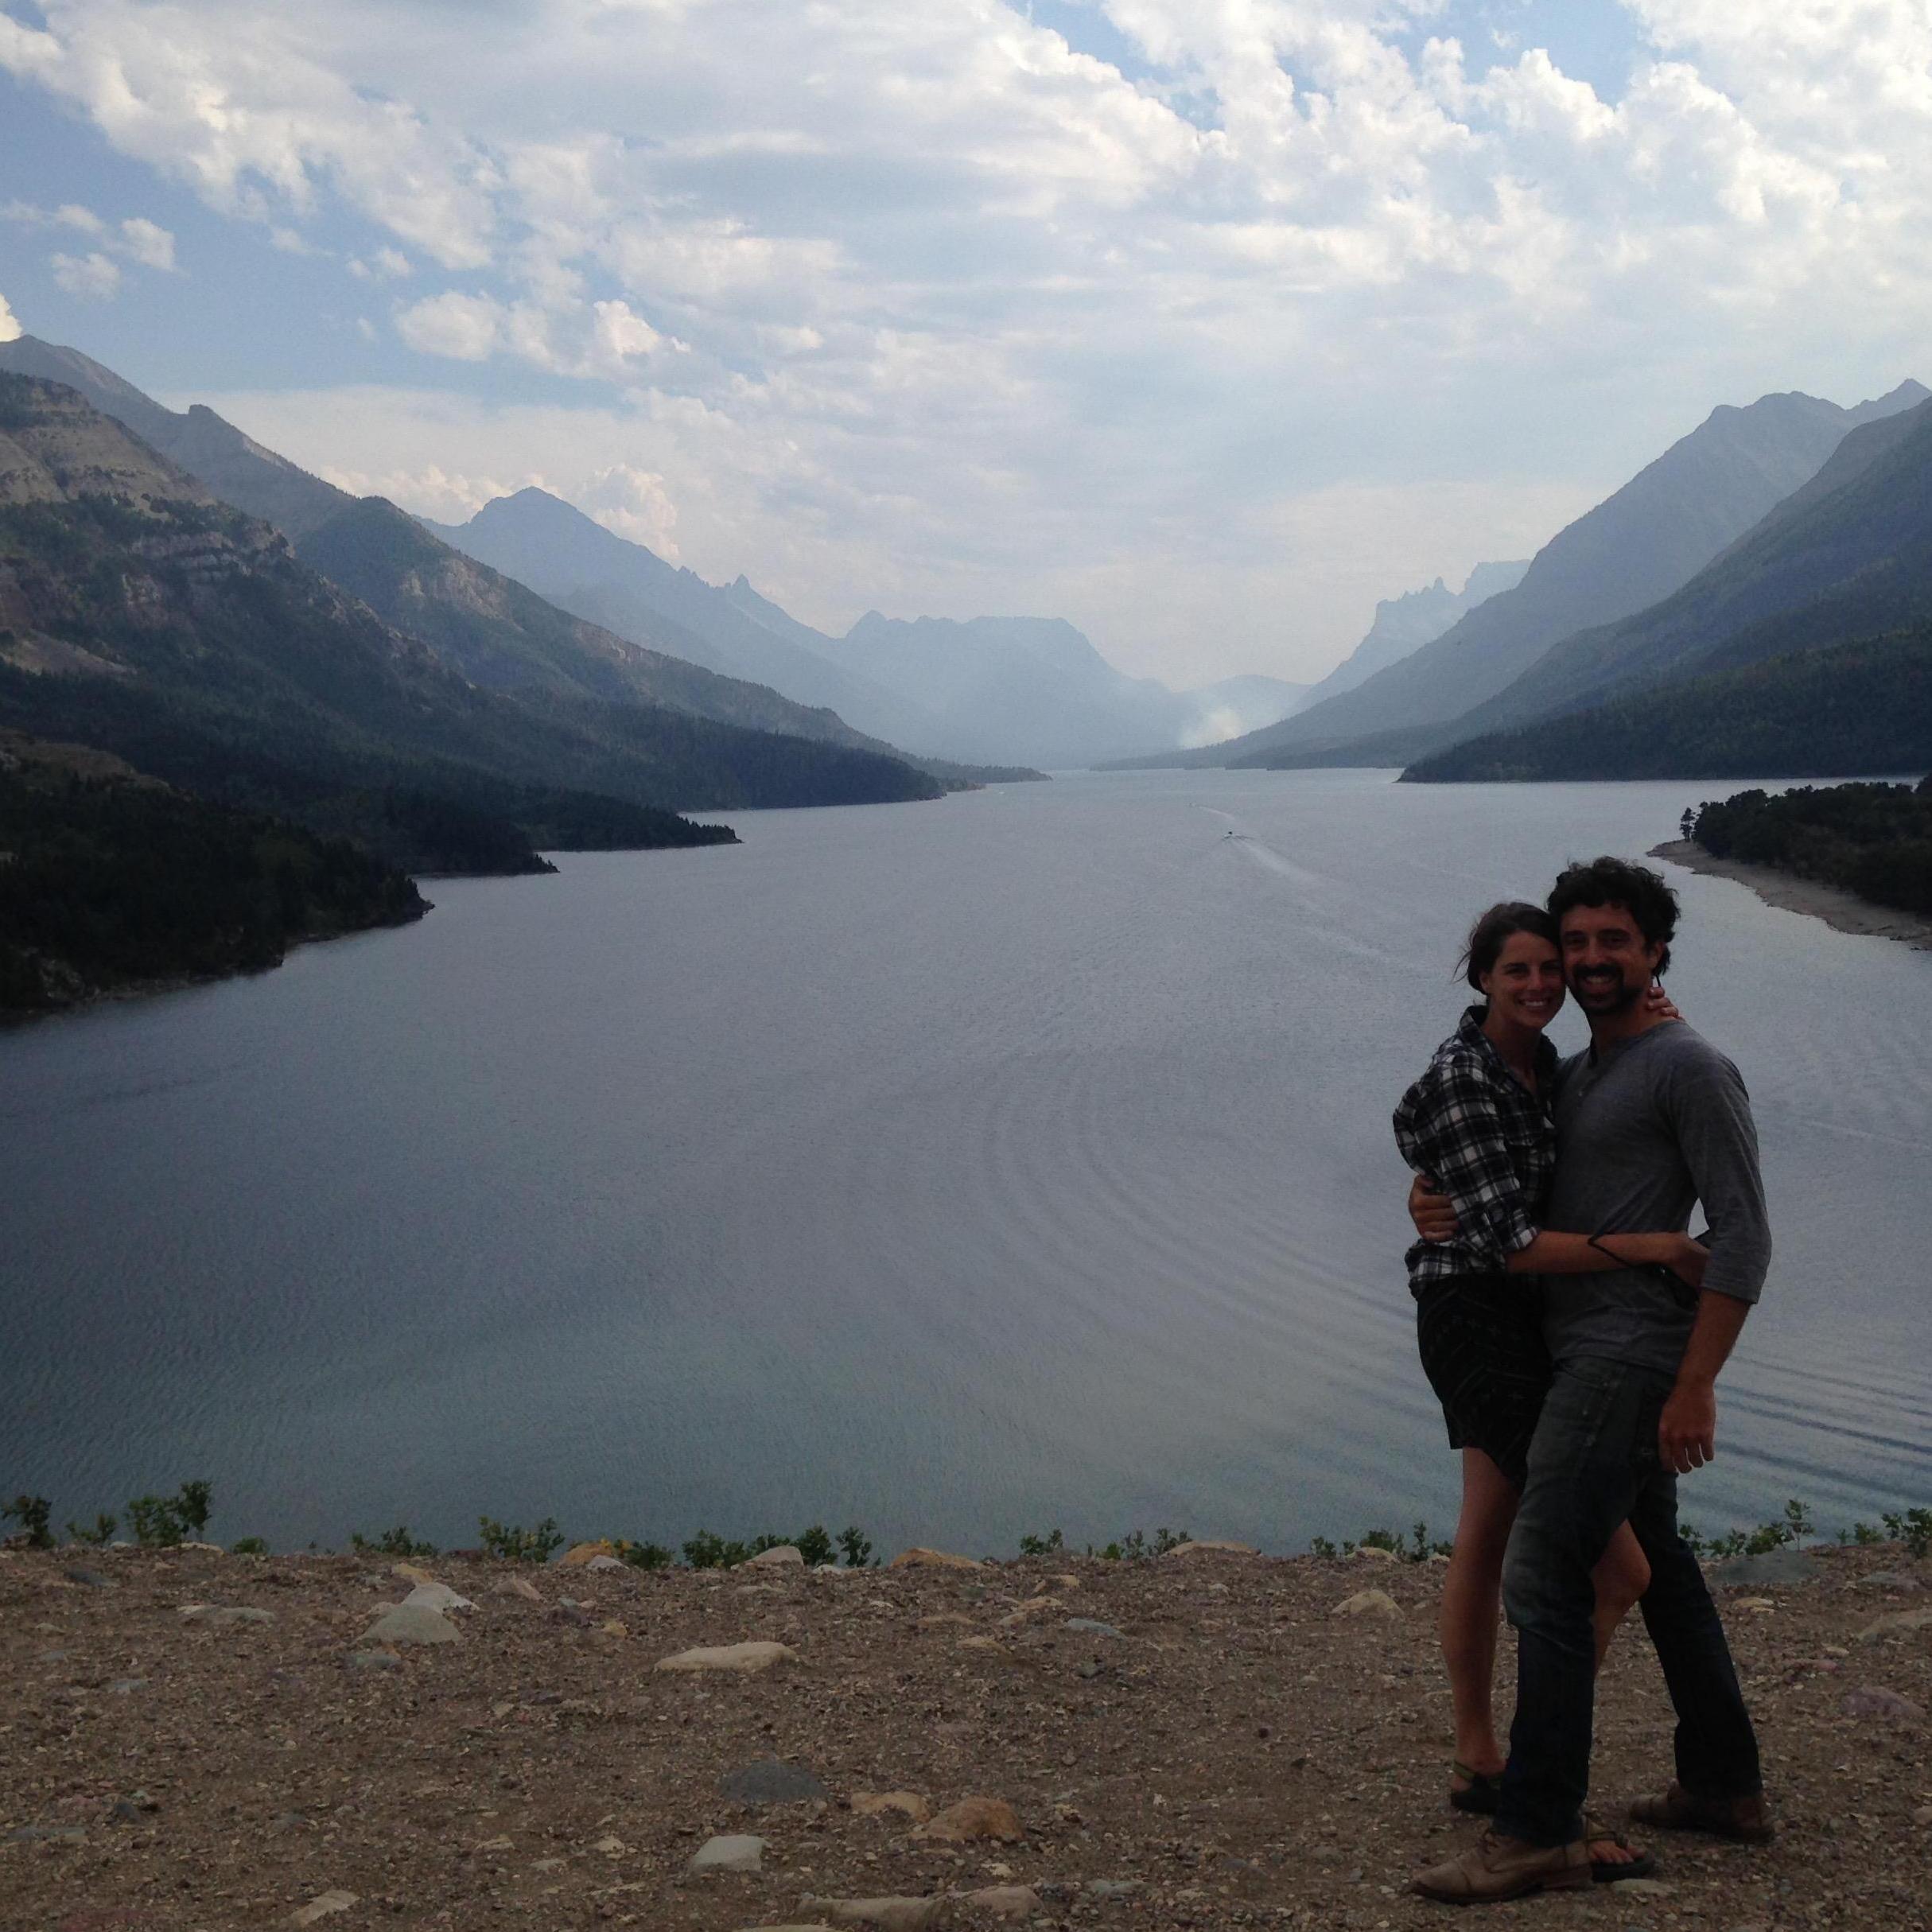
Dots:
{"x": 1024, "y": 690}
{"x": 140, "y": 615}
{"x": 1404, "y": 624}
{"x": 1636, "y": 547}
{"x": 1849, "y": 555}
{"x": 1856, "y": 709}
{"x": 496, "y": 632}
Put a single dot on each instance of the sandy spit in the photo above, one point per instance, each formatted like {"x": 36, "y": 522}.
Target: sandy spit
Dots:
{"x": 1845, "y": 911}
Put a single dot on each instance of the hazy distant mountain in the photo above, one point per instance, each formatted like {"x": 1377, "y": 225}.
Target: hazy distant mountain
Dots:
{"x": 1036, "y": 690}
{"x": 496, "y": 632}
{"x": 146, "y": 618}
{"x": 1404, "y": 624}
{"x": 1846, "y": 558}
{"x": 1635, "y": 548}
{"x": 1020, "y": 690}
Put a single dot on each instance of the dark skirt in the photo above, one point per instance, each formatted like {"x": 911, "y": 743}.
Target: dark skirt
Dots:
{"x": 1481, "y": 1338}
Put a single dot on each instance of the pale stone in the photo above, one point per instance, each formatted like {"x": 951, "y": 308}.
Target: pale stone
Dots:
{"x": 1876, "y": 1700}
{"x": 1092, "y": 1628}
{"x": 1759, "y": 1604}
{"x": 743, "y": 1658}
{"x": 519, "y": 1586}
{"x": 1004, "y": 1901}
{"x": 1897, "y": 1623}
{"x": 493, "y": 1845}
{"x": 1368, "y": 1603}
{"x": 611, "y": 1845}
{"x": 873, "y": 1804}
{"x": 736, "y": 1851}
{"x": 1034, "y": 1607}
{"x": 918, "y": 1559}
{"x": 781, "y": 1557}
{"x": 409, "y": 1573}
{"x": 579, "y": 1554}
{"x": 324, "y": 1905}
{"x": 973, "y": 1817}
{"x": 411, "y": 1623}
{"x": 606, "y": 1563}
{"x": 1211, "y": 1547}
{"x": 611, "y": 1627}
{"x": 221, "y": 1616}
{"x": 1373, "y": 1553}
{"x": 944, "y": 1619}
{"x": 889, "y": 1914}
{"x": 436, "y": 1596}
{"x": 979, "y": 1643}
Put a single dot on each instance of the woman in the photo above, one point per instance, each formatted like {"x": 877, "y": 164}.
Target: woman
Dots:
{"x": 1478, "y": 1123}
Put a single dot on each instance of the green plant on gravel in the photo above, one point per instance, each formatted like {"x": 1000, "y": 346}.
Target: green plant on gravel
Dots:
{"x": 512, "y": 1543}
{"x": 1135, "y": 1547}
{"x": 1913, "y": 1528}
{"x": 1864, "y": 1535}
{"x": 855, "y": 1546}
{"x": 709, "y": 1551}
{"x": 100, "y": 1531}
{"x": 248, "y": 1546}
{"x": 1042, "y": 1546}
{"x": 31, "y": 1513}
{"x": 396, "y": 1542}
{"x": 1320, "y": 1546}
{"x": 160, "y": 1522}
{"x": 643, "y": 1555}
{"x": 1793, "y": 1527}
{"x": 815, "y": 1546}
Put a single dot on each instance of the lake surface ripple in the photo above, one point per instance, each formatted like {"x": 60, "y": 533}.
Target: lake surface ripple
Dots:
{"x": 958, "y": 1169}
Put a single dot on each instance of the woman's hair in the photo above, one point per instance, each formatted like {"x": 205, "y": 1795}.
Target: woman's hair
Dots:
{"x": 1490, "y": 933}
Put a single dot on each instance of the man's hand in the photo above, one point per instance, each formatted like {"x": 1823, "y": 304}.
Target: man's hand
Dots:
{"x": 1434, "y": 1218}
{"x": 1687, "y": 1430}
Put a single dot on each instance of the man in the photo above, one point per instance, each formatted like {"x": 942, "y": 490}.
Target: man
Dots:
{"x": 1649, "y": 1119}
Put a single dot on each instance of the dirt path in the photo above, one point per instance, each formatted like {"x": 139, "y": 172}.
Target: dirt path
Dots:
{"x": 1242, "y": 1752}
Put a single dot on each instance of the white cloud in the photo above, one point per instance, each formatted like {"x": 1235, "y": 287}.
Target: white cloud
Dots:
{"x": 92, "y": 276}
{"x": 9, "y": 323}
{"x": 923, "y": 302}
{"x": 151, "y": 245}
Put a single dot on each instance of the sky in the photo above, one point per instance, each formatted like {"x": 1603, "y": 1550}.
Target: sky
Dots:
{"x": 1203, "y": 323}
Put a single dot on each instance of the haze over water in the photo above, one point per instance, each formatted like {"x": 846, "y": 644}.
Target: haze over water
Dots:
{"x": 959, "y": 1170}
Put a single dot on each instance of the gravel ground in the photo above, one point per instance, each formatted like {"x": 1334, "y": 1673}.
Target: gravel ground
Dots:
{"x": 1234, "y": 1750}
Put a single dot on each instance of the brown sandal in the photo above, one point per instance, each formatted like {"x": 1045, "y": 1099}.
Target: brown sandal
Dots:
{"x": 1613, "y": 1871}
{"x": 1746, "y": 1819}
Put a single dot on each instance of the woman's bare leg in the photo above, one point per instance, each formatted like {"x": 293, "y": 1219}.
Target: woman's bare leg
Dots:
{"x": 1472, "y": 1608}
{"x": 1622, "y": 1575}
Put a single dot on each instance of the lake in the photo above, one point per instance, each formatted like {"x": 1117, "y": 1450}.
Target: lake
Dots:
{"x": 1017, "y": 1161}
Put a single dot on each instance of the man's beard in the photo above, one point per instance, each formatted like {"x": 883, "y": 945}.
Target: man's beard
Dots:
{"x": 1610, "y": 993}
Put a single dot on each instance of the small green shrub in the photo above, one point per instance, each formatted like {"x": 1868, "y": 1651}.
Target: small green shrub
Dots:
{"x": 160, "y": 1522}
{"x": 1913, "y": 1528}
{"x": 248, "y": 1546}
{"x": 31, "y": 1513}
{"x": 512, "y": 1543}
{"x": 816, "y": 1547}
{"x": 101, "y": 1531}
{"x": 644, "y": 1555}
{"x": 1042, "y": 1546}
{"x": 396, "y": 1542}
{"x": 707, "y": 1551}
{"x": 1863, "y": 1534}
{"x": 1320, "y": 1546}
{"x": 855, "y": 1546}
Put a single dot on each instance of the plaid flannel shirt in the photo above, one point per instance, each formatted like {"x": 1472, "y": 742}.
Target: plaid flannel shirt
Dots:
{"x": 1486, "y": 1141}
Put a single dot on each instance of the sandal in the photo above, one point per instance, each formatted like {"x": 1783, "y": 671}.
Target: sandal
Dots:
{"x": 1745, "y": 1819}
{"x": 1613, "y": 1871}
{"x": 1481, "y": 1791}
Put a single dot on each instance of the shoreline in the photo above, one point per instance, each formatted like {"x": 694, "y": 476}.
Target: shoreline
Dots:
{"x": 1842, "y": 910}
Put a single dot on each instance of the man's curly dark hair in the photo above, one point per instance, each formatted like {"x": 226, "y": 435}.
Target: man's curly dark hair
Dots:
{"x": 1609, "y": 881}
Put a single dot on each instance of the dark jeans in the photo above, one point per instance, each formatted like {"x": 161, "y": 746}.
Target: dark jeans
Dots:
{"x": 1593, "y": 1463}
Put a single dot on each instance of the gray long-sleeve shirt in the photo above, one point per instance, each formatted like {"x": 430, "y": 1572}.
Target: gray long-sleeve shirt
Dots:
{"x": 1644, "y": 1130}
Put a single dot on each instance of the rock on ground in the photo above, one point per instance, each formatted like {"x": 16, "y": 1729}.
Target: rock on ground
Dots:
{"x": 1246, "y": 1761}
